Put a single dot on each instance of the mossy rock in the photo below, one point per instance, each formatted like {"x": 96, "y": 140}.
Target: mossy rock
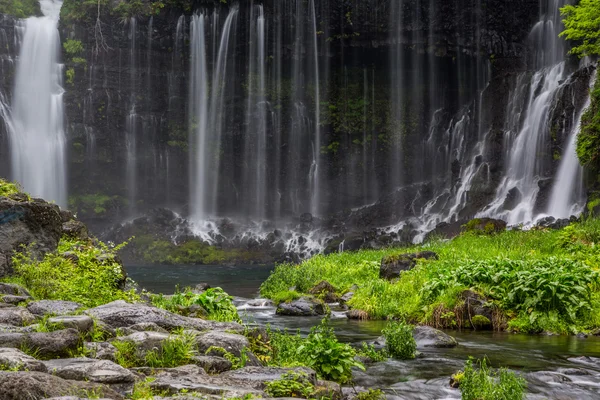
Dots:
{"x": 484, "y": 226}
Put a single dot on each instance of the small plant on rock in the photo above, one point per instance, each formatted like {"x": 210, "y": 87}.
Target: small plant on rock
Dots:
{"x": 484, "y": 384}
{"x": 331, "y": 359}
{"x": 400, "y": 342}
{"x": 291, "y": 384}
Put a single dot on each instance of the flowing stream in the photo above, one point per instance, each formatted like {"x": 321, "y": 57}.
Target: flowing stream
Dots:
{"x": 555, "y": 367}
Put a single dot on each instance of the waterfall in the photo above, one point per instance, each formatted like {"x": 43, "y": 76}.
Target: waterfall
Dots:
{"x": 568, "y": 196}
{"x": 198, "y": 117}
{"x": 131, "y": 121}
{"x": 37, "y": 137}
{"x": 315, "y": 172}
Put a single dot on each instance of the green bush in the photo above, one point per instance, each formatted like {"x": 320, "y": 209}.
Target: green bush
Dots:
{"x": 73, "y": 47}
{"x": 95, "y": 278}
{"x": 369, "y": 351}
{"x": 175, "y": 351}
{"x": 217, "y": 304}
{"x": 8, "y": 189}
{"x": 399, "y": 340}
{"x": 483, "y": 384}
{"x": 20, "y": 8}
{"x": 291, "y": 384}
{"x": 331, "y": 359}
{"x": 371, "y": 394}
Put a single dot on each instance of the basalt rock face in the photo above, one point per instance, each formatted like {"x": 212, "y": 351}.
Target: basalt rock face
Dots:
{"x": 138, "y": 81}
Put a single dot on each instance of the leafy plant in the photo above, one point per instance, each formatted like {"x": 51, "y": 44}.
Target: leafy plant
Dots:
{"x": 215, "y": 301}
{"x": 291, "y": 384}
{"x": 331, "y": 359}
{"x": 484, "y": 384}
{"x": 175, "y": 351}
{"x": 73, "y": 47}
{"x": 581, "y": 25}
{"x": 371, "y": 394}
{"x": 399, "y": 340}
{"x": 94, "y": 278}
{"x": 369, "y": 351}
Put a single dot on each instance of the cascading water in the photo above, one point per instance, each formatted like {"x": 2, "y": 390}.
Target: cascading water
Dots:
{"x": 37, "y": 137}
{"x": 315, "y": 171}
{"x": 568, "y": 195}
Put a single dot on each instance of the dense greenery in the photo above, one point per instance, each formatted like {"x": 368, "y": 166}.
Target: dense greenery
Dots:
{"x": 553, "y": 274}
{"x": 484, "y": 384}
{"x": 582, "y": 25}
{"x": 588, "y": 141}
{"x": 87, "y": 272}
{"x": 175, "y": 351}
{"x": 291, "y": 384}
{"x": 399, "y": 340}
{"x": 8, "y": 189}
{"x": 217, "y": 304}
{"x": 20, "y": 8}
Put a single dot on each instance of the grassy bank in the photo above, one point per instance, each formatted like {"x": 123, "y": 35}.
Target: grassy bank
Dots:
{"x": 538, "y": 280}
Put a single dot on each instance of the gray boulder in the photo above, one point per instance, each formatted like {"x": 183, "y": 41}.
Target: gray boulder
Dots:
{"x": 14, "y": 358}
{"x": 393, "y": 265}
{"x": 147, "y": 326}
{"x": 303, "y": 307}
{"x": 54, "y": 307}
{"x": 146, "y": 341}
{"x": 426, "y": 336}
{"x": 35, "y": 224}
{"x": 39, "y": 385}
{"x": 18, "y": 316}
{"x": 75, "y": 229}
{"x": 14, "y": 300}
{"x": 47, "y": 344}
{"x": 231, "y": 342}
{"x": 100, "y": 350}
{"x": 87, "y": 369}
{"x": 82, "y": 323}
{"x": 122, "y": 314}
{"x": 212, "y": 365}
{"x": 13, "y": 289}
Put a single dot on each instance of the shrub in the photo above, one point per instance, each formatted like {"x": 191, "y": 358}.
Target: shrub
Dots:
{"x": 331, "y": 359}
{"x": 95, "y": 278}
{"x": 369, "y": 351}
{"x": 20, "y": 8}
{"x": 73, "y": 47}
{"x": 483, "y": 384}
{"x": 399, "y": 340}
{"x": 175, "y": 351}
{"x": 371, "y": 394}
{"x": 291, "y": 384}
{"x": 217, "y": 304}
{"x": 7, "y": 189}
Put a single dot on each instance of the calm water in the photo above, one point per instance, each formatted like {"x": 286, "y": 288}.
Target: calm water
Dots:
{"x": 242, "y": 281}
{"x": 555, "y": 367}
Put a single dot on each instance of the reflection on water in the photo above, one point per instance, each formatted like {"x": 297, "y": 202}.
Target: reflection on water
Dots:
{"x": 555, "y": 367}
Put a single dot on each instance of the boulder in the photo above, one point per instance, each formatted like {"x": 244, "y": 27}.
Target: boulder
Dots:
{"x": 426, "y": 336}
{"x": 230, "y": 342}
{"x": 53, "y": 307}
{"x": 14, "y": 300}
{"x": 34, "y": 223}
{"x": 13, "y": 358}
{"x": 87, "y": 369}
{"x": 393, "y": 265}
{"x": 476, "y": 310}
{"x": 303, "y": 307}
{"x": 325, "y": 291}
{"x": 120, "y": 314}
{"x": 18, "y": 316}
{"x": 212, "y": 365}
{"x": 147, "y": 326}
{"x": 47, "y": 344}
{"x": 75, "y": 230}
{"x": 146, "y": 341}
{"x": 13, "y": 289}
{"x": 39, "y": 385}
{"x": 100, "y": 350}
{"x": 82, "y": 323}
{"x": 256, "y": 377}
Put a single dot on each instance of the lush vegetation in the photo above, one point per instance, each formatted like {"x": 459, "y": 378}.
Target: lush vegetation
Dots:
{"x": 399, "y": 340}
{"x": 87, "y": 272}
{"x": 552, "y": 276}
{"x": 291, "y": 384}
{"x": 588, "y": 141}
{"x": 213, "y": 303}
{"x": 582, "y": 25}
{"x": 175, "y": 351}
{"x": 8, "y": 189}
{"x": 485, "y": 384}
{"x": 20, "y": 8}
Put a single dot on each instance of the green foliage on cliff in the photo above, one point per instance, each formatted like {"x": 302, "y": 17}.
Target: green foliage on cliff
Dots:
{"x": 8, "y": 189}
{"x": 87, "y": 272}
{"x": 86, "y": 11}
{"x": 95, "y": 205}
{"x": 539, "y": 280}
{"x": 20, "y": 8}
{"x": 582, "y": 25}
{"x": 588, "y": 141}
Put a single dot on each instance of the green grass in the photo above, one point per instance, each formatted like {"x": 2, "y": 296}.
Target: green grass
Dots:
{"x": 8, "y": 188}
{"x": 217, "y": 304}
{"x": 485, "y": 384}
{"x": 559, "y": 267}
{"x": 175, "y": 351}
